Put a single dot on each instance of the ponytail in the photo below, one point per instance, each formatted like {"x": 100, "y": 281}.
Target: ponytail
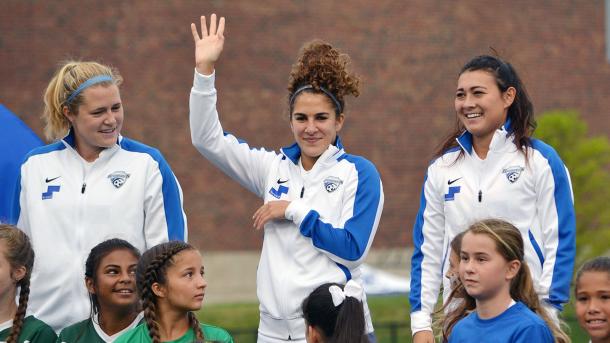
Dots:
{"x": 337, "y": 320}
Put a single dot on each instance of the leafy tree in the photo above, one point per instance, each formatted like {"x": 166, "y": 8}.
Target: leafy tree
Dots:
{"x": 588, "y": 160}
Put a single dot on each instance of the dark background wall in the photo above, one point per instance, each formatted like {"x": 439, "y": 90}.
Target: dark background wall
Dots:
{"x": 408, "y": 52}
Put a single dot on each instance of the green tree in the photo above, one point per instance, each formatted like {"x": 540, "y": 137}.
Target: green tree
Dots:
{"x": 588, "y": 160}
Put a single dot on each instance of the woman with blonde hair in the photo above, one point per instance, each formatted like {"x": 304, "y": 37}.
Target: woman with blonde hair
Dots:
{"x": 89, "y": 185}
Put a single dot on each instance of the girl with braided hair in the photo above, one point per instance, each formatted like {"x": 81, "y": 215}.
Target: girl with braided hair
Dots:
{"x": 170, "y": 283}
{"x": 16, "y": 262}
{"x": 110, "y": 277}
{"x": 321, "y": 206}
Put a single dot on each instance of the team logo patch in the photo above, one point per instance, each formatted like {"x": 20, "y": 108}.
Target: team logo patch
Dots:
{"x": 512, "y": 173}
{"x": 118, "y": 178}
{"x": 277, "y": 193}
{"x": 332, "y": 183}
{"x": 451, "y": 192}
{"x": 49, "y": 193}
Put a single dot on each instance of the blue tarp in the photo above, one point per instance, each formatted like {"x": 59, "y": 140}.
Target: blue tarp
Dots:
{"x": 16, "y": 140}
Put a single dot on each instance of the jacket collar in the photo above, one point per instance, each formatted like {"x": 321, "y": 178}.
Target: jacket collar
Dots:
{"x": 501, "y": 138}
{"x": 293, "y": 152}
{"x": 70, "y": 142}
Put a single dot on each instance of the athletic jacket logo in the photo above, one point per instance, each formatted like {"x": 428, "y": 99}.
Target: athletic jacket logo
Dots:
{"x": 280, "y": 181}
{"x": 277, "y": 193}
{"x": 47, "y": 180}
{"x": 513, "y": 173}
{"x": 49, "y": 193}
{"x": 452, "y": 181}
{"x": 118, "y": 178}
{"x": 332, "y": 183}
{"x": 450, "y": 196}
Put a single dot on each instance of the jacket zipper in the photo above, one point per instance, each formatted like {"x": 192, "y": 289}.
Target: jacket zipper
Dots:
{"x": 302, "y": 192}
{"x": 480, "y": 195}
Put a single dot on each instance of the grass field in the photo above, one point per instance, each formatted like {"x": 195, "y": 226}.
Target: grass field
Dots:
{"x": 390, "y": 317}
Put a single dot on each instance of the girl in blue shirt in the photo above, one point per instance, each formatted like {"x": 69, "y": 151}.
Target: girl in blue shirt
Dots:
{"x": 494, "y": 274}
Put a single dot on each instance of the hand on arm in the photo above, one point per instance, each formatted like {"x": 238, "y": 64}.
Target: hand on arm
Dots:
{"x": 423, "y": 337}
{"x": 209, "y": 45}
{"x": 269, "y": 211}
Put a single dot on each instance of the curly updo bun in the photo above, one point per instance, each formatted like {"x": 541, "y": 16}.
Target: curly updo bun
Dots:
{"x": 323, "y": 68}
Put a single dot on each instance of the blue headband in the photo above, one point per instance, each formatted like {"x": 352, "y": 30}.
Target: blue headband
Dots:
{"x": 92, "y": 81}
{"x": 338, "y": 106}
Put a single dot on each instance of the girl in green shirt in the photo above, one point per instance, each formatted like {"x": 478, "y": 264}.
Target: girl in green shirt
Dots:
{"x": 110, "y": 277}
{"x": 16, "y": 262}
{"x": 170, "y": 283}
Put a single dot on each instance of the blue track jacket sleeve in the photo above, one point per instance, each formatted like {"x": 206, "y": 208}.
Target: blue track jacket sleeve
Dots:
{"x": 234, "y": 157}
{"x": 362, "y": 207}
{"x": 426, "y": 262}
{"x": 555, "y": 207}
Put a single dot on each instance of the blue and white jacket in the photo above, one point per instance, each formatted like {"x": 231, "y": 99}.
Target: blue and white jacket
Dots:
{"x": 330, "y": 222}
{"x": 68, "y": 205}
{"x": 534, "y": 195}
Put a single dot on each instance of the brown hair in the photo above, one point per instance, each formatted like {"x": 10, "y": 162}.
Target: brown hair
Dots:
{"x": 322, "y": 66}
{"x": 152, "y": 268}
{"x": 509, "y": 244}
{"x": 69, "y": 76}
{"x": 19, "y": 253}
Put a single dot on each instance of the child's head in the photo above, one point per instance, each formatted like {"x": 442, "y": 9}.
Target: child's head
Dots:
{"x": 492, "y": 264}
{"x": 169, "y": 277}
{"x": 110, "y": 276}
{"x": 491, "y": 261}
{"x": 593, "y": 298}
{"x": 16, "y": 263}
{"x": 334, "y": 313}
{"x": 454, "y": 260}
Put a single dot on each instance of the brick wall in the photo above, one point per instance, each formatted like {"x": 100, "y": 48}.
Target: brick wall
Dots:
{"x": 408, "y": 52}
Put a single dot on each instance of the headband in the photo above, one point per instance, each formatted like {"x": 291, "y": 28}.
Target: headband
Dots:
{"x": 92, "y": 81}
{"x": 351, "y": 289}
{"x": 338, "y": 106}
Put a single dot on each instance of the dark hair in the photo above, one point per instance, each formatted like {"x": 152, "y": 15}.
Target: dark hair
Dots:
{"x": 94, "y": 259}
{"x": 324, "y": 68}
{"x": 339, "y": 324}
{"x": 598, "y": 264}
{"x": 19, "y": 253}
{"x": 151, "y": 269}
{"x": 520, "y": 112}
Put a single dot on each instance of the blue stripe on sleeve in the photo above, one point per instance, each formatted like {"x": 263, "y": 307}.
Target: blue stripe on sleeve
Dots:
{"x": 536, "y": 247}
{"x": 171, "y": 195}
{"x": 559, "y": 292}
{"x": 350, "y": 242}
{"x": 348, "y": 274}
{"x": 418, "y": 255}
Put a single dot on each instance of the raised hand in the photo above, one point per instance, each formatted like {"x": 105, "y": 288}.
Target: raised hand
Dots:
{"x": 209, "y": 46}
{"x": 269, "y": 211}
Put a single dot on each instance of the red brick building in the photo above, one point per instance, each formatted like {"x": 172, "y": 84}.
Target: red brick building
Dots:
{"x": 408, "y": 52}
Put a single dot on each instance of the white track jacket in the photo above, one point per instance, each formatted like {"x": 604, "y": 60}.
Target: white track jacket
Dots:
{"x": 330, "y": 222}
{"x": 535, "y": 196}
{"x": 67, "y": 206}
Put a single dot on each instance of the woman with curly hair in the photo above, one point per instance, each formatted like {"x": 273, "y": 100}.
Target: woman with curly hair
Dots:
{"x": 321, "y": 205}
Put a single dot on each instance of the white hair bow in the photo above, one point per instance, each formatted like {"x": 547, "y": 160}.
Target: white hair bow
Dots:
{"x": 351, "y": 289}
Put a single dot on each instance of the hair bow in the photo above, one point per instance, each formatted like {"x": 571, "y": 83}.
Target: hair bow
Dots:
{"x": 351, "y": 289}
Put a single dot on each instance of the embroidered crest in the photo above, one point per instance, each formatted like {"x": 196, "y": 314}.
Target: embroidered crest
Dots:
{"x": 332, "y": 183}
{"x": 512, "y": 173}
{"x": 118, "y": 178}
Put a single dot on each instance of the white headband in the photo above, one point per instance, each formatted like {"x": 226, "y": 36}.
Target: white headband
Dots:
{"x": 351, "y": 289}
